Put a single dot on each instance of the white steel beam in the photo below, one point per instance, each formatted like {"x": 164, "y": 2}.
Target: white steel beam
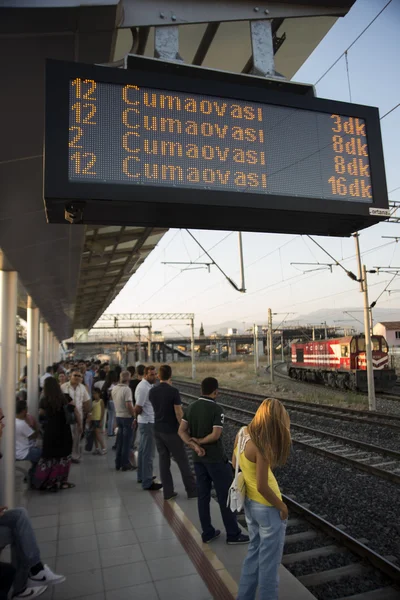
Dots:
{"x": 32, "y": 358}
{"x": 8, "y": 348}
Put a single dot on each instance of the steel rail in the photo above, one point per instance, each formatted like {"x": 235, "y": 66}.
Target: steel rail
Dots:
{"x": 349, "y": 414}
{"x": 378, "y": 561}
{"x": 370, "y": 469}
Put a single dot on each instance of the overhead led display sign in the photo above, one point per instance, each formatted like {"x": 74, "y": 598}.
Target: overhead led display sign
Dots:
{"x": 163, "y": 144}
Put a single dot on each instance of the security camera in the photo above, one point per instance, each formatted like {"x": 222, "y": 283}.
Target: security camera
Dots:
{"x": 74, "y": 212}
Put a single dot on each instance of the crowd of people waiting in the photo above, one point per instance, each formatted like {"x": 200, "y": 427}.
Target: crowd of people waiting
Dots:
{"x": 90, "y": 400}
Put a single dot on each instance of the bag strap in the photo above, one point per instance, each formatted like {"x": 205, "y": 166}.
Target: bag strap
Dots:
{"x": 238, "y": 453}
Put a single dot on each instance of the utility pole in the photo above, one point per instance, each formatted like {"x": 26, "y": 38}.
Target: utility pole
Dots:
{"x": 362, "y": 277}
{"x": 368, "y": 345}
{"x": 313, "y": 333}
{"x": 149, "y": 343}
{"x": 242, "y": 283}
{"x": 326, "y": 330}
{"x": 255, "y": 346}
{"x": 140, "y": 347}
{"x": 192, "y": 348}
{"x": 283, "y": 355}
{"x": 271, "y": 346}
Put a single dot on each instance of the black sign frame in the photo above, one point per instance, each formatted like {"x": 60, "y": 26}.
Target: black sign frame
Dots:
{"x": 148, "y": 205}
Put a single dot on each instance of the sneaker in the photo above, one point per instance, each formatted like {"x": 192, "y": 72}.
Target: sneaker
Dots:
{"x": 241, "y": 539}
{"x": 154, "y": 487}
{"x": 172, "y": 496}
{"x": 103, "y": 452}
{"x": 216, "y": 535}
{"x": 32, "y": 592}
{"x": 45, "y": 576}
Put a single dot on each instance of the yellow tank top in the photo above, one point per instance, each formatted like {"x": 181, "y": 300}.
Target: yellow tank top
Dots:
{"x": 248, "y": 469}
{"x": 96, "y": 410}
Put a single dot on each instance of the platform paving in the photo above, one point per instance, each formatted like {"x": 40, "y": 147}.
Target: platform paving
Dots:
{"x": 111, "y": 540}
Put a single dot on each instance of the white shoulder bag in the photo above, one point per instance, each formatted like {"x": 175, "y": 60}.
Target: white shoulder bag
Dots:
{"x": 237, "y": 491}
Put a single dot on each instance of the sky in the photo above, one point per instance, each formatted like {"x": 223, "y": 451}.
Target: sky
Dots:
{"x": 272, "y": 281}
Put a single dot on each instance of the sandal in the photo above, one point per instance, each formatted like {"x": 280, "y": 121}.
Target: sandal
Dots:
{"x": 51, "y": 488}
{"x": 67, "y": 485}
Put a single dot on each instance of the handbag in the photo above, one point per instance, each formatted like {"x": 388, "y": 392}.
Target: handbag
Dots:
{"x": 237, "y": 491}
{"x": 69, "y": 415}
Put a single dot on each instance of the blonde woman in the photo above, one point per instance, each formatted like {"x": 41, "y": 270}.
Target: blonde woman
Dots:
{"x": 265, "y": 444}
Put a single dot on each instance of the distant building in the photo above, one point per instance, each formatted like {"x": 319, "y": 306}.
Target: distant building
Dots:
{"x": 391, "y": 332}
{"x": 232, "y": 331}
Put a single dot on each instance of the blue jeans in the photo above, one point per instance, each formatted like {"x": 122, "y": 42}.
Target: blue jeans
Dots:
{"x": 111, "y": 417}
{"x": 260, "y": 567}
{"x": 16, "y": 530}
{"x": 146, "y": 454}
{"x": 219, "y": 474}
{"x": 124, "y": 441}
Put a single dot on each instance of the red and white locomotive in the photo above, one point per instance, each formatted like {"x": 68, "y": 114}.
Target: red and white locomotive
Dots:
{"x": 341, "y": 363}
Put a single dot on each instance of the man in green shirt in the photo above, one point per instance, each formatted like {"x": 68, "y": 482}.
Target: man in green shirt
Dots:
{"x": 201, "y": 428}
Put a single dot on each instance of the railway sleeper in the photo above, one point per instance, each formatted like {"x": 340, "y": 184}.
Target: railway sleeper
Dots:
{"x": 386, "y": 593}
{"x": 293, "y": 538}
{"x": 295, "y": 557}
{"x": 314, "y": 579}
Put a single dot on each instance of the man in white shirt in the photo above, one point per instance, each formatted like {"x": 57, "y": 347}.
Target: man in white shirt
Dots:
{"x": 49, "y": 373}
{"x": 121, "y": 395}
{"x": 81, "y": 399}
{"x": 145, "y": 416}
{"x": 24, "y": 438}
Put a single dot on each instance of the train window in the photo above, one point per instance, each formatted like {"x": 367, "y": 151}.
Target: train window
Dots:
{"x": 345, "y": 351}
{"x": 375, "y": 343}
{"x": 353, "y": 346}
{"x": 385, "y": 347}
{"x": 361, "y": 344}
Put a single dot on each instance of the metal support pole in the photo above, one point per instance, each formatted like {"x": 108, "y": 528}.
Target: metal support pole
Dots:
{"x": 255, "y": 345}
{"x": 368, "y": 345}
{"x": 192, "y": 348}
{"x": 32, "y": 358}
{"x": 356, "y": 237}
{"x": 242, "y": 281}
{"x": 283, "y": 354}
{"x": 140, "y": 347}
{"x": 263, "y": 48}
{"x": 326, "y": 330}
{"x": 271, "y": 346}
{"x": 149, "y": 343}
{"x": 8, "y": 347}
{"x": 313, "y": 333}
{"x": 42, "y": 345}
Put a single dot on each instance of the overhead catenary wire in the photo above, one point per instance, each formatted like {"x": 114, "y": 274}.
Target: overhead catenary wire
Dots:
{"x": 353, "y": 42}
{"x": 388, "y": 113}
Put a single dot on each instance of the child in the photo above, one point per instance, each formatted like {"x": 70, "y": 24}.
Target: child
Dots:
{"x": 96, "y": 416}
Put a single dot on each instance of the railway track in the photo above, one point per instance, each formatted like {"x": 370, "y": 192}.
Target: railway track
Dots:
{"x": 334, "y": 561}
{"x": 369, "y": 458}
{"x": 328, "y": 561}
{"x": 391, "y": 421}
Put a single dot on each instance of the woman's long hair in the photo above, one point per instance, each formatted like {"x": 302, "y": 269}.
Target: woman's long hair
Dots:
{"x": 53, "y": 397}
{"x": 270, "y": 432}
{"x": 111, "y": 378}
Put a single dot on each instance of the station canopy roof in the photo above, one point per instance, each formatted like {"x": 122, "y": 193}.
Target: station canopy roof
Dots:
{"x": 73, "y": 272}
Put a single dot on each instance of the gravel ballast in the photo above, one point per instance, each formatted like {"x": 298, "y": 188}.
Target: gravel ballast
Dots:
{"x": 364, "y": 504}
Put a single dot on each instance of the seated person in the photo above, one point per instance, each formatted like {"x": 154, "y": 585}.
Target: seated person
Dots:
{"x": 24, "y": 438}
{"x": 31, "y": 576}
